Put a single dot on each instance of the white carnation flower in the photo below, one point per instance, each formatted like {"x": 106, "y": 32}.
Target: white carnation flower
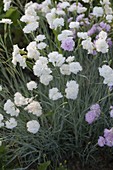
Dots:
{"x": 101, "y": 45}
{"x": 75, "y": 67}
{"x": 40, "y": 37}
{"x": 41, "y": 45}
{"x": 109, "y": 18}
{"x": 70, "y": 59}
{"x": 65, "y": 34}
{"x": 45, "y": 79}
{"x": 35, "y": 108}
{"x": 58, "y": 22}
{"x": 54, "y": 94}
{"x": 20, "y": 100}
{"x": 33, "y": 126}
{"x": 11, "y": 123}
{"x": 33, "y": 51}
{"x": 56, "y": 59}
{"x": 107, "y": 73}
{"x": 6, "y": 21}
{"x": 30, "y": 27}
{"x": 81, "y": 9}
{"x": 7, "y": 4}
{"x": 17, "y": 57}
{"x": 31, "y": 85}
{"x": 72, "y": 90}
{"x": 82, "y": 35}
{"x": 65, "y": 69}
{"x": 98, "y": 11}
{"x": 10, "y": 108}
{"x": 108, "y": 10}
{"x": 74, "y": 25}
{"x": 103, "y": 35}
{"x": 64, "y": 5}
{"x": 88, "y": 45}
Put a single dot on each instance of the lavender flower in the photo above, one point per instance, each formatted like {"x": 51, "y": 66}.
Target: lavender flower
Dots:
{"x": 105, "y": 26}
{"x": 96, "y": 108}
{"x": 80, "y": 17}
{"x": 109, "y": 41}
{"x": 92, "y": 30}
{"x": 101, "y": 141}
{"x": 90, "y": 117}
{"x": 93, "y": 114}
{"x": 68, "y": 44}
{"x": 108, "y": 135}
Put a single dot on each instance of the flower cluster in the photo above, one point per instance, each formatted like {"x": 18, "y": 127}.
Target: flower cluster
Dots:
{"x": 12, "y": 109}
{"x": 30, "y": 17}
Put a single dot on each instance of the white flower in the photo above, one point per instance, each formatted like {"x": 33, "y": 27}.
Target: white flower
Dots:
{"x": 11, "y": 123}
{"x": 70, "y": 59}
{"x": 74, "y": 25}
{"x": 30, "y": 18}
{"x": 7, "y": 4}
{"x": 41, "y": 45}
{"x": 98, "y": 11}
{"x": 0, "y": 87}
{"x": 81, "y": 9}
{"x": 101, "y": 45}
{"x": 45, "y": 6}
{"x": 109, "y": 18}
{"x": 107, "y": 73}
{"x": 10, "y": 108}
{"x": 88, "y": 45}
{"x": 54, "y": 94}
{"x": 65, "y": 34}
{"x": 31, "y": 85}
{"x": 104, "y": 2}
{"x": 82, "y": 35}
{"x": 31, "y": 27}
{"x": 65, "y": 69}
{"x": 50, "y": 17}
{"x": 20, "y": 100}
{"x": 72, "y": 90}
{"x": 41, "y": 68}
{"x": 56, "y": 59}
{"x": 45, "y": 79}
{"x": 103, "y": 35}
{"x": 35, "y": 108}
{"x": 58, "y": 22}
{"x": 17, "y": 57}
{"x": 64, "y": 5}
{"x": 33, "y": 126}
{"x": 33, "y": 51}
{"x": 86, "y": 1}
{"x": 108, "y": 10}
{"x": 75, "y": 67}
{"x": 40, "y": 37}
{"x": 6, "y": 21}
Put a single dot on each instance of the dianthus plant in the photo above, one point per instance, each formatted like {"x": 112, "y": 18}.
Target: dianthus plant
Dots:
{"x": 66, "y": 51}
